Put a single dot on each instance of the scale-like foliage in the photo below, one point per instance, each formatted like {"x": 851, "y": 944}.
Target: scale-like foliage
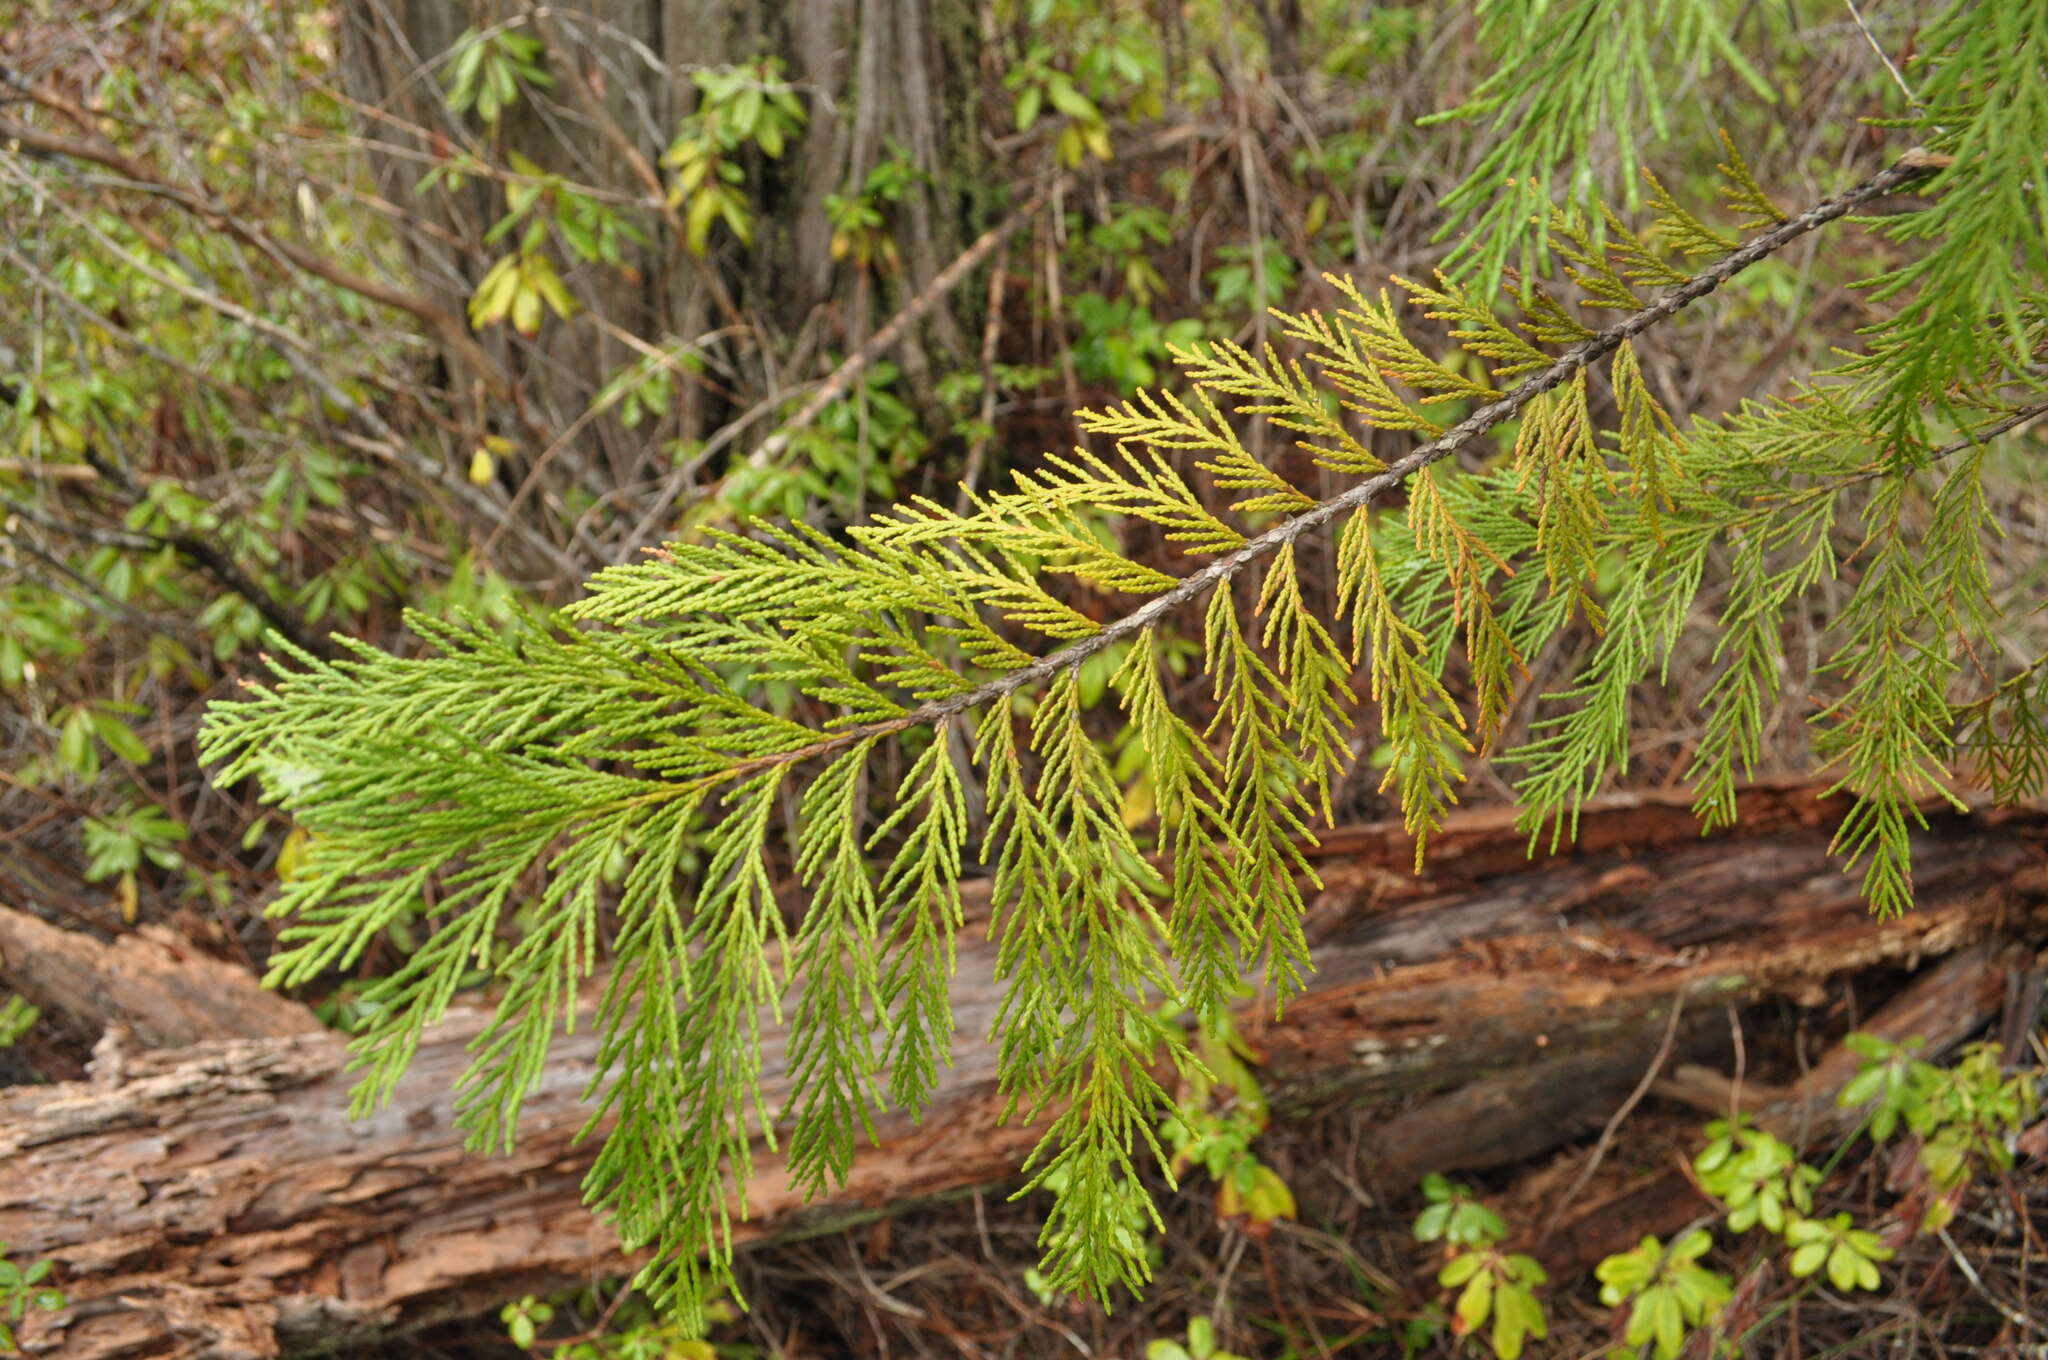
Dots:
{"x": 879, "y": 711}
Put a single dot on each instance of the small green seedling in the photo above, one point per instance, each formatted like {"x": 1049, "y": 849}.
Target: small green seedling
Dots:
{"x": 1491, "y": 1284}
{"x": 20, "y": 1290}
{"x": 1670, "y": 1294}
{"x": 1850, "y": 1255}
{"x": 1758, "y": 1176}
{"x": 1200, "y": 1345}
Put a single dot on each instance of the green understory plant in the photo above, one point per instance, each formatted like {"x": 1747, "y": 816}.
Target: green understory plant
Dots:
{"x": 1122, "y": 343}
{"x": 1848, "y": 1254}
{"x": 119, "y": 845}
{"x": 23, "y": 1288}
{"x": 879, "y": 709}
{"x": 738, "y": 108}
{"x": 1757, "y": 1176}
{"x": 1668, "y": 1293}
{"x": 1966, "y": 1114}
{"x": 486, "y": 70}
{"x": 628, "y": 1330}
{"x": 18, "y": 1015}
{"x": 1215, "y": 1125}
{"x": 1490, "y": 1283}
{"x": 1198, "y": 1344}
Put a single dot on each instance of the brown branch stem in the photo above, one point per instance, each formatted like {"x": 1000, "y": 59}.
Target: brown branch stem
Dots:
{"x": 842, "y": 378}
{"x": 203, "y": 554}
{"x": 303, "y": 357}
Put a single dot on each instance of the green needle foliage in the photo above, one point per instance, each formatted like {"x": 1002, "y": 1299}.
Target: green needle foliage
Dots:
{"x": 1569, "y": 73}
{"x": 1969, "y": 303}
{"x": 630, "y": 767}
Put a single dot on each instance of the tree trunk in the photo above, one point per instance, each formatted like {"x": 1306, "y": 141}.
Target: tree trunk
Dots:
{"x": 214, "y": 1200}
{"x": 877, "y": 77}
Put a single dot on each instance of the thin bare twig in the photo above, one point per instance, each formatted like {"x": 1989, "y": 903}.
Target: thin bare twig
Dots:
{"x": 616, "y": 137}
{"x": 1882, "y": 55}
{"x": 206, "y": 556}
{"x": 2005, "y": 1310}
{"x": 672, "y": 487}
{"x": 991, "y": 330}
{"x": 592, "y": 412}
{"x": 452, "y": 331}
{"x": 302, "y": 356}
{"x": 842, "y": 378}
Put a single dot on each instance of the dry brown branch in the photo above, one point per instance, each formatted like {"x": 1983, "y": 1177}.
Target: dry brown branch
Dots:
{"x": 842, "y": 378}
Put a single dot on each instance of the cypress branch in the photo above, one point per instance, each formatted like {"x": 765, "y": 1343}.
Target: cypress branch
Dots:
{"x": 1579, "y": 357}
{"x": 617, "y": 760}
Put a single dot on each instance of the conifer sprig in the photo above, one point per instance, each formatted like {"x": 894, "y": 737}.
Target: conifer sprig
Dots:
{"x": 1574, "y": 360}
{"x": 1566, "y": 74}
{"x": 567, "y": 773}
{"x": 1968, "y": 305}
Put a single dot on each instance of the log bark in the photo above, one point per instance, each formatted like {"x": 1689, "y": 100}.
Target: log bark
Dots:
{"x": 215, "y": 1201}
{"x": 154, "y": 983}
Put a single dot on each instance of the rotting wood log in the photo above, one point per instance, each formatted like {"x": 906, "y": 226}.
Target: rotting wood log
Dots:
{"x": 154, "y": 983}
{"x": 214, "y": 1201}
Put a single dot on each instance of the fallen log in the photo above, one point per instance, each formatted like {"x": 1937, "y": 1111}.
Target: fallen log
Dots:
{"x": 214, "y": 1201}
{"x": 163, "y": 991}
